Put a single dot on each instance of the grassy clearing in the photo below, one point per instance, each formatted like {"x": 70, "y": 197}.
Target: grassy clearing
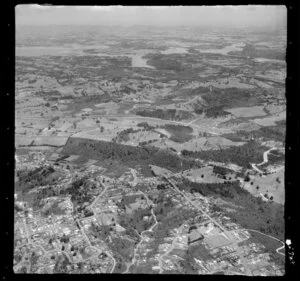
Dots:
{"x": 113, "y": 168}
{"x": 146, "y": 171}
{"x": 81, "y": 160}
{"x": 271, "y": 185}
{"x": 251, "y": 152}
{"x": 22, "y": 151}
{"x": 54, "y": 209}
{"x": 123, "y": 247}
{"x": 253, "y": 111}
{"x": 87, "y": 102}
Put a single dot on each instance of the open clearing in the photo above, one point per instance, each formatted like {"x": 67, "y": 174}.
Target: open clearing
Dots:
{"x": 272, "y": 184}
{"x": 204, "y": 175}
{"x": 252, "y": 111}
{"x": 270, "y": 121}
{"x": 197, "y": 144}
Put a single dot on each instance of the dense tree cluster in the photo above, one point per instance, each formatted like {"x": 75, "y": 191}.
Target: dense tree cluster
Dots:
{"x": 166, "y": 64}
{"x": 146, "y": 126}
{"x": 147, "y": 142}
{"x": 226, "y": 190}
{"x": 222, "y": 171}
{"x": 198, "y": 251}
{"x": 62, "y": 264}
{"x": 100, "y": 231}
{"x": 127, "y": 200}
{"x": 211, "y": 111}
{"x": 130, "y": 155}
{"x": 229, "y": 98}
{"x": 136, "y": 220}
{"x": 179, "y": 133}
{"x": 123, "y": 136}
{"x": 166, "y": 114}
{"x": 41, "y": 176}
{"x": 251, "y": 51}
{"x": 79, "y": 191}
{"x": 276, "y": 133}
{"x": 275, "y": 157}
{"x": 215, "y": 112}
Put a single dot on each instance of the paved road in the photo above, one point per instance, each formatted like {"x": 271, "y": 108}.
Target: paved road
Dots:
{"x": 197, "y": 207}
{"x": 278, "y": 249}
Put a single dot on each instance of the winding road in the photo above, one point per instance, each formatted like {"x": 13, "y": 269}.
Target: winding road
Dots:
{"x": 270, "y": 236}
{"x": 265, "y": 160}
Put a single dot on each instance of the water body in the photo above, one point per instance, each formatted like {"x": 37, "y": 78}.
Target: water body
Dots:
{"x": 36, "y": 51}
{"x": 137, "y": 59}
{"x": 225, "y": 50}
{"x": 174, "y": 50}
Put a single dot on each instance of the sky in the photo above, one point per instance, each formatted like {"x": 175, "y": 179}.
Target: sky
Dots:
{"x": 231, "y": 16}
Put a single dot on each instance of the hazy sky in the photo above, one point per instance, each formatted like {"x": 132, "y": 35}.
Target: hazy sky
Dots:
{"x": 153, "y": 15}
